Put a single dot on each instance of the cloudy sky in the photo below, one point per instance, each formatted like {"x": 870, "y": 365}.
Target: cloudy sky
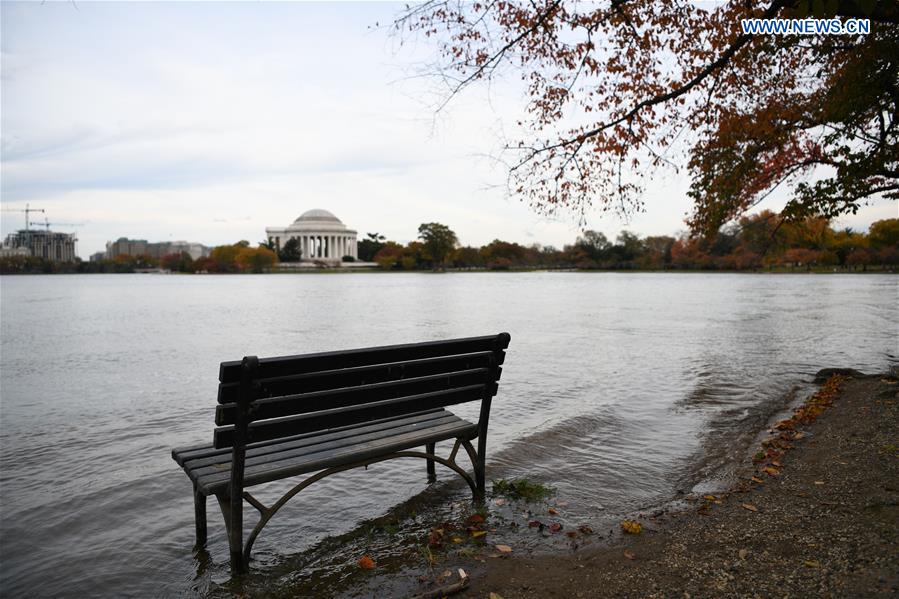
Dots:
{"x": 209, "y": 121}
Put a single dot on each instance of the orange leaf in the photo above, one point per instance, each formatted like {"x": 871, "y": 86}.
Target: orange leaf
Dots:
{"x": 631, "y": 527}
{"x": 366, "y": 563}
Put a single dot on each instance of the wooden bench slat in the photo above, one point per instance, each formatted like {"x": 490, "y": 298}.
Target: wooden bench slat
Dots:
{"x": 292, "y": 425}
{"x": 276, "y": 470}
{"x": 290, "y": 405}
{"x": 197, "y": 469}
{"x": 348, "y": 434}
{"x": 198, "y": 452}
{"x": 361, "y": 375}
{"x": 229, "y": 372}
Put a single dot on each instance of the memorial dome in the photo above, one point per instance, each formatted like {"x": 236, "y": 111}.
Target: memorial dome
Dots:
{"x": 317, "y": 215}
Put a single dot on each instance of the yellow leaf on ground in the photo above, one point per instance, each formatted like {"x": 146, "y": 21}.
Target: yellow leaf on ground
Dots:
{"x": 770, "y": 471}
{"x": 477, "y": 534}
{"x": 709, "y": 497}
{"x": 495, "y": 596}
{"x": 810, "y": 563}
{"x": 756, "y": 479}
{"x": 631, "y": 527}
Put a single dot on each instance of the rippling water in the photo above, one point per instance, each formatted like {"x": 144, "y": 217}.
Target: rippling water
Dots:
{"x": 618, "y": 389}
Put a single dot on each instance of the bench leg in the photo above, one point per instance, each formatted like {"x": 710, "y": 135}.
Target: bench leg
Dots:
{"x": 234, "y": 526}
{"x": 480, "y": 468}
{"x": 200, "y": 517}
{"x": 432, "y": 470}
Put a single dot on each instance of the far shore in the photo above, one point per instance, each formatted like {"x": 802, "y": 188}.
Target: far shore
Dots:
{"x": 369, "y": 270}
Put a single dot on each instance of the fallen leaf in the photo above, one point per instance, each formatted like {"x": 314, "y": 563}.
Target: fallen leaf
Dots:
{"x": 750, "y": 507}
{"x": 552, "y": 511}
{"x": 463, "y": 574}
{"x": 366, "y": 563}
{"x": 571, "y": 534}
{"x": 631, "y": 527}
{"x": 555, "y": 527}
{"x": 810, "y": 563}
{"x": 798, "y": 435}
{"x": 819, "y": 482}
{"x": 458, "y": 540}
{"x": 776, "y": 463}
{"x": 585, "y": 529}
{"x": 743, "y": 553}
{"x": 477, "y": 534}
{"x": 475, "y": 519}
{"x": 503, "y": 548}
{"x": 709, "y": 497}
{"x": 770, "y": 471}
{"x": 629, "y": 554}
{"x": 494, "y": 596}
{"x": 535, "y": 524}
{"x": 756, "y": 479}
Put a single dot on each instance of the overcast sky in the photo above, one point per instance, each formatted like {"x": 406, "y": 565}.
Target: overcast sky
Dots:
{"x": 208, "y": 122}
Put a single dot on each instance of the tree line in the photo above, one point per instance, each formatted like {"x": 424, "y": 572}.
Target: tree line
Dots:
{"x": 756, "y": 242}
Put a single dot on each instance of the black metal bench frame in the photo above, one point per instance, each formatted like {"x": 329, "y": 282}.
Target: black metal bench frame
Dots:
{"x": 362, "y": 406}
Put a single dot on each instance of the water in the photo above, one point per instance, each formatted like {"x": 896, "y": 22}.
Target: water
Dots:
{"x": 618, "y": 390}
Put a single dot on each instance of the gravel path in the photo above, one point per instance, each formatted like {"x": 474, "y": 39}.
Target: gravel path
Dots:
{"x": 826, "y": 524}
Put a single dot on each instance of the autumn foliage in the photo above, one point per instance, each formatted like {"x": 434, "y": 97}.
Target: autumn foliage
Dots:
{"x": 616, "y": 90}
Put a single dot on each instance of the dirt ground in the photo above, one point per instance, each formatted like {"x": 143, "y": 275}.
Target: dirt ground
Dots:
{"x": 822, "y": 522}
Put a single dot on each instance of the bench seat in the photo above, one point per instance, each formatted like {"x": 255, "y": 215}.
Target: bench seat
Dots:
{"x": 210, "y": 469}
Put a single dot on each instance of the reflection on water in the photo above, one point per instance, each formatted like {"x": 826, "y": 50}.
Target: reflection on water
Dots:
{"x": 618, "y": 390}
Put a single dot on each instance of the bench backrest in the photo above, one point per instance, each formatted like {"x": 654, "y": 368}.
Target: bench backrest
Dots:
{"x": 272, "y": 398}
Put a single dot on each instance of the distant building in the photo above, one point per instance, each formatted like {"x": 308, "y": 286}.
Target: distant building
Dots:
{"x": 322, "y": 236}
{"x": 140, "y": 247}
{"x": 49, "y": 245}
{"x": 98, "y": 257}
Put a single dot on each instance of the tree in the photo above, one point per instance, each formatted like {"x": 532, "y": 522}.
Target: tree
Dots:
{"x": 255, "y": 259}
{"x": 439, "y": 240}
{"x": 367, "y": 248}
{"x": 595, "y": 244}
{"x": 884, "y": 233}
{"x": 389, "y": 256}
{"x": 617, "y": 89}
{"x": 179, "y": 262}
{"x": 291, "y": 252}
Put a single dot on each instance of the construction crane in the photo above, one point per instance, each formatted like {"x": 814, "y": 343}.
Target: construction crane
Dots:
{"x": 27, "y": 210}
{"x": 48, "y": 224}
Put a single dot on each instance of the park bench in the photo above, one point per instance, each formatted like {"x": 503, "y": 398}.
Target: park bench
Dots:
{"x": 325, "y": 413}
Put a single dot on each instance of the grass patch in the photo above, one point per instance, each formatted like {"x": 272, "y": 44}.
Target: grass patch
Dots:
{"x": 522, "y": 488}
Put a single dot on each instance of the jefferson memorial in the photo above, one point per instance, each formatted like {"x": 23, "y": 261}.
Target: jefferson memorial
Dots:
{"x": 321, "y": 235}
